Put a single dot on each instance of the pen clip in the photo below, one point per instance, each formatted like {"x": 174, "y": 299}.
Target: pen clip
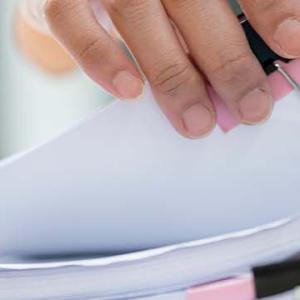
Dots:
{"x": 287, "y": 75}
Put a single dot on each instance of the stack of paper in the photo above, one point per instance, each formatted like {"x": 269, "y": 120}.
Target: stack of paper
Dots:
{"x": 168, "y": 269}
{"x": 123, "y": 181}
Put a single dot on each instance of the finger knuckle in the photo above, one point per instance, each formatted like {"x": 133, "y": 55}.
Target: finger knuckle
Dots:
{"x": 267, "y": 4}
{"x": 93, "y": 51}
{"x": 230, "y": 68}
{"x": 177, "y": 4}
{"x": 169, "y": 79}
{"x": 125, "y": 8}
{"x": 53, "y": 9}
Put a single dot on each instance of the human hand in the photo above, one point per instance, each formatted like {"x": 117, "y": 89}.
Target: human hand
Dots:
{"x": 214, "y": 51}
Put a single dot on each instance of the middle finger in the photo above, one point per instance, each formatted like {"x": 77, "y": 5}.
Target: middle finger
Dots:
{"x": 177, "y": 84}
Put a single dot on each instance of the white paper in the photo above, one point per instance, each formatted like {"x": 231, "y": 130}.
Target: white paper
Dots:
{"x": 169, "y": 269}
{"x": 172, "y": 296}
{"x": 286, "y": 229}
{"x": 182, "y": 296}
{"x": 125, "y": 180}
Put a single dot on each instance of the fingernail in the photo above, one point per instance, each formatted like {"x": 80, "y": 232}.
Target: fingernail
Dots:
{"x": 287, "y": 37}
{"x": 128, "y": 86}
{"x": 256, "y": 107}
{"x": 198, "y": 120}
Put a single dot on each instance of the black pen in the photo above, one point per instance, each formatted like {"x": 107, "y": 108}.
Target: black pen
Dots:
{"x": 276, "y": 278}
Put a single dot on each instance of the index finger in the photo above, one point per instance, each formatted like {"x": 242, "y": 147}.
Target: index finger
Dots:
{"x": 74, "y": 23}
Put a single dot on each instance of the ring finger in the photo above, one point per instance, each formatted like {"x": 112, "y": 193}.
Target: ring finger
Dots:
{"x": 219, "y": 47}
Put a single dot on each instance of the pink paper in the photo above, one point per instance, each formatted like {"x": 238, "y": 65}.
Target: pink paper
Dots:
{"x": 231, "y": 289}
{"x": 280, "y": 88}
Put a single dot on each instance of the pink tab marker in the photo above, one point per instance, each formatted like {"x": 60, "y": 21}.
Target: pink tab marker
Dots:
{"x": 242, "y": 288}
{"x": 282, "y": 82}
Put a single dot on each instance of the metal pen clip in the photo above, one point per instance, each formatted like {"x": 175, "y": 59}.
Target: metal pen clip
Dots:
{"x": 287, "y": 76}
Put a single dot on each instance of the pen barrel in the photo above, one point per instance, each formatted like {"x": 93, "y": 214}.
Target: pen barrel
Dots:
{"x": 265, "y": 55}
{"x": 276, "y": 279}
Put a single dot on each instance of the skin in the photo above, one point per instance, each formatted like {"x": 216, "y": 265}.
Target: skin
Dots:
{"x": 181, "y": 46}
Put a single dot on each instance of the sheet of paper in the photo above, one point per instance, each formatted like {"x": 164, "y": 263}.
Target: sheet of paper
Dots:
{"x": 254, "y": 237}
{"x": 182, "y": 296}
{"x": 124, "y": 180}
{"x": 173, "y": 296}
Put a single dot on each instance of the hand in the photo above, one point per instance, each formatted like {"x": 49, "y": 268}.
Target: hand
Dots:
{"x": 215, "y": 50}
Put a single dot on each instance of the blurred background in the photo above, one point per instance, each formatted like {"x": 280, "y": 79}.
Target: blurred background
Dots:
{"x": 35, "y": 105}
{"x": 36, "y": 102}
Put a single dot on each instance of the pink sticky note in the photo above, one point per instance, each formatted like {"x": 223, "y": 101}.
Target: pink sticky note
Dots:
{"x": 231, "y": 289}
{"x": 280, "y": 88}
{"x": 224, "y": 118}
